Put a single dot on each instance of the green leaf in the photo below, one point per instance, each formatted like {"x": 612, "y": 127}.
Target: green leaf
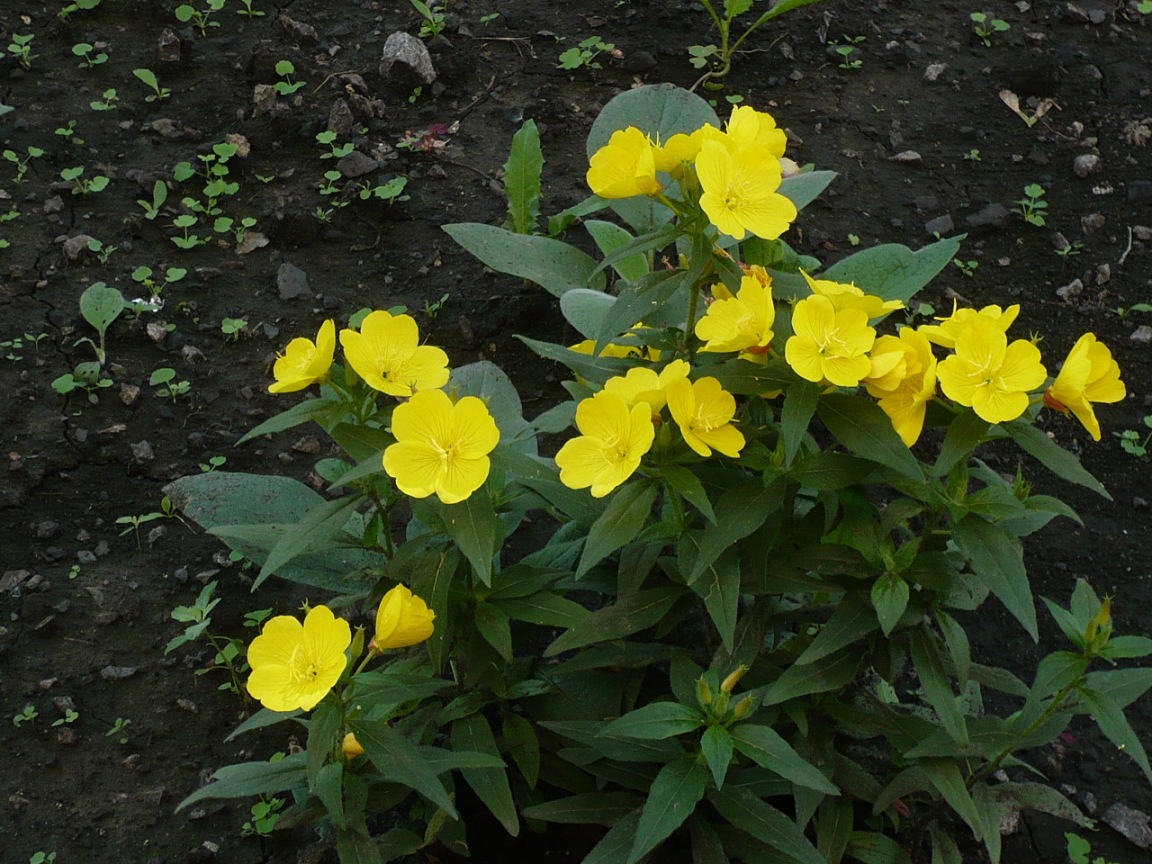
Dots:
{"x": 596, "y": 370}
{"x": 853, "y": 620}
{"x": 764, "y": 746}
{"x": 803, "y": 189}
{"x": 487, "y": 381}
{"x": 655, "y": 721}
{"x": 893, "y": 271}
{"x": 716, "y": 745}
{"x": 100, "y": 305}
{"x": 936, "y": 687}
{"x": 740, "y": 511}
{"x": 870, "y": 847}
{"x": 253, "y": 778}
{"x": 944, "y": 848}
{"x": 719, "y": 585}
{"x": 1112, "y": 722}
{"x": 997, "y": 559}
{"x": 689, "y": 487}
{"x": 1055, "y": 458}
{"x": 796, "y": 415}
{"x": 673, "y": 797}
{"x": 867, "y": 431}
{"x": 629, "y": 615}
{"x": 944, "y": 774}
{"x": 586, "y": 310}
{"x": 353, "y": 846}
{"x": 492, "y": 624}
{"x": 474, "y": 528}
{"x": 523, "y": 746}
{"x": 827, "y": 674}
{"x": 551, "y": 264}
{"x": 609, "y": 237}
{"x": 964, "y": 434}
{"x": 588, "y": 808}
{"x": 956, "y": 641}
{"x": 323, "y": 736}
{"x": 545, "y": 609}
{"x": 522, "y": 174}
{"x": 889, "y": 598}
{"x": 834, "y": 823}
{"x": 637, "y": 302}
{"x": 299, "y": 413}
{"x": 262, "y": 719}
{"x": 400, "y": 762}
{"x": 489, "y": 784}
{"x": 764, "y": 822}
{"x": 329, "y": 788}
{"x": 827, "y": 470}
{"x": 1040, "y": 796}
{"x": 614, "y": 846}
{"x": 627, "y": 511}
{"x": 316, "y": 532}
{"x": 386, "y": 687}
{"x": 432, "y": 577}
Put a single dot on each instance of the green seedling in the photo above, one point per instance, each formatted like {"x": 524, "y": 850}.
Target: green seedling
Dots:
{"x": 134, "y": 522}
{"x": 432, "y": 24}
{"x": 239, "y": 229}
{"x": 721, "y": 58}
{"x": 335, "y": 151}
{"x": 214, "y": 170}
{"x": 164, "y": 380}
{"x": 77, "y": 6}
{"x": 265, "y": 815}
{"x": 233, "y": 327}
{"x": 1032, "y": 205}
{"x": 26, "y": 716}
{"x": 73, "y": 572}
{"x": 189, "y": 241}
{"x": 1070, "y": 250}
{"x": 82, "y": 185}
{"x": 433, "y": 309}
{"x": 489, "y": 18}
{"x": 968, "y": 268}
{"x": 1144, "y": 7}
{"x": 213, "y": 463}
{"x": 584, "y": 55}
{"x": 119, "y": 730}
{"x": 21, "y": 49}
{"x": 328, "y": 186}
{"x": 43, "y": 857}
{"x": 1077, "y": 847}
{"x": 701, "y": 55}
{"x": 200, "y": 18}
{"x": 286, "y": 87}
{"x": 848, "y": 50}
{"x": 256, "y": 617}
{"x": 1123, "y": 311}
{"x": 390, "y": 191}
{"x": 146, "y": 277}
{"x": 100, "y": 305}
{"x": 414, "y": 95}
{"x": 159, "y": 196}
{"x": 70, "y": 717}
{"x": 1132, "y": 443}
{"x": 324, "y": 214}
{"x": 229, "y": 652}
{"x": 87, "y": 377}
{"x": 21, "y": 162}
{"x": 84, "y": 51}
{"x": 972, "y": 155}
{"x": 248, "y": 11}
{"x": 148, "y": 77}
{"x": 100, "y": 250}
{"x": 984, "y": 26}
{"x": 68, "y": 133}
{"x": 107, "y": 102}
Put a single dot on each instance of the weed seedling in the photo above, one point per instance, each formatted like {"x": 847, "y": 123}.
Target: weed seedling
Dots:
{"x": 1144, "y": 7}
{"x": 201, "y": 18}
{"x": 701, "y": 55}
{"x": 1131, "y": 441}
{"x": 82, "y": 185}
{"x": 584, "y": 55}
{"x": 76, "y": 6}
{"x": 21, "y": 49}
{"x": 86, "y": 376}
{"x": 84, "y": 51}
{"x": 1070, "y": 250}
{"x": 233, "y": 327}
{"x": 1032, "y": 205}
{"x": 159, "y": 196}
{"x": 968, "y": 268}
{"x": 1078, "y": 848}
{"x": 21, "y": 162}
{"x": 119, "y": 730}
{"x": 847, "y": 52}
{"x": 213, "y": 462}
{"x": 433, "y": 23}
{"x": 433, "y": 309}
{"x": 335, "y": 151}
{"x": 101, "y": 251}
{"x": 224, "y": 224}
{"x": 984, "y": 27}
{"x": 146, "y": 277}
{"x": 489, "y": 18}
{"x": 26, "y": 716}
{"x": 1123, "y": 311}
{"x": 164, "y": 380}
{"x": 100, "y": 305}
{"x": 972, "y": 155}
{"x": 287, "y": 86}
{"x": 68, "y": 133}
{"x": 189, "y": 241}
{"x": 229, "y": 652}
{"x": 148, "y": 77}
{"x": 70, "y": 717}
{"x": 43, "y": 857}
{"x": 265, "y": 814}
{"x": 248, "y": 11}
{"x": 390, "y": 191}
{"x": 107, "y": 103}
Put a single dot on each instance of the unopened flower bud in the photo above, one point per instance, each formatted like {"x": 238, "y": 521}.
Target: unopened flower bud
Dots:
{"x": 357, "y": 642}
{"x": 703, "y": 692}
{"x": 743, "y": 707}
{"x": 733, "y": 679}
{"x": 352, "y": 747}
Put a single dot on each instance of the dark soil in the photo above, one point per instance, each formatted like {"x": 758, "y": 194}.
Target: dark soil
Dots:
{"x": 85, "y": 604}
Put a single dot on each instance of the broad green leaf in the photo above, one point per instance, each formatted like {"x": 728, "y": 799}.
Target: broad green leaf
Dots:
{"x": 551, "y": 264}
{"x": 487, "y": 381}
{"x": 474, "y": 528}
{"x": 803, "y": 189}
{"x": 248, "y": 779}
{"x": 655, "y": 721}
{"x": 432, "y": 578}
{"x": 764, "y": 746}
{"x": 719, "y": 585}
{"x": 400, "y": 762}
{"x": 1054, "y": 672}
{"x": 716, "y": 745}
{"x": 740, "y": 511}
{"x": 1055, "y": 458}
{"x": 673, "y": 797}
{"x": 588, "y": 808}
{"x": 492, "y": 624}
{"x": 764, "y": 822}
{"x": 385, "y": 687}
{"x": 834, "y": 823}
{"x": 889, "y": 598}
{"x": 688, "y": 485}
{"x": 1042, "y": 797}
{"x": 827, "y": 674}
{"x": 329, "y": 788}
{"x": 490, "y": 784}
{"x": 997, "y": 560}
{"x": 936, "y": 687}
{"x": 893, "y": 271}
{"x": 629, "y": 615}
{"x": 628, "y": 509}
{"x": 316, "y": 532}
{"x": 964, "y": 434}
{"x": 544, "y": 608}
{"x": 853, "y": 620}
{"x": 945, "y": 776}
{"x": 100, "y": 305}
{"x": 828, "y": 470}
{"x": 870, "y": 847}
{"x": 596, "y": 370}
{"x": 991, "y": 816}
{"x": 1112, "y": 722}
{"x": 560, "y": 221}
{"x": 614, "y": 846}
{"x": 1122, "y": 687}
{"x": 323, "y": 735}
{"x": 522, "y": 174}
{"x": 609, "y": 237}
{"x": 796, "y": 415}
{"x": 523, "y": 746}
{"x": 867, "y": 431}
{"x": 638, "y": 302}
{"x": 586, "y": 310}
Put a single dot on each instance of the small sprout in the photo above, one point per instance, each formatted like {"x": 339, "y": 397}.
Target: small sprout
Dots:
{"x": 701, "y": 55}
{"x": 76, "y": 6}
{"x": 26, "y": 716}
{"x": 107, "y": 103}
{"x": 68, "y": 133}
{"x": 984, "y": 27}
{"x": 972, "y": 155}
{"x": 82, "y": 185}
{"x": 1131, "y": 441}
{"x": 83, "y": 50}
{"x": 21, "y": 49}
{"x": 248, "y": 10}
{"x": 489, "y": 18}
{"x": 212, "y": 464}
{"x": 285, "y": 69}
{"x": 265, "y": 814}
{"x": 1032, "y": 206}
{"x": 148, "y": 77}
{"x": 433, "y": 309}
{"x": 118, "y": 730}
{"x": 159, "y": 196}
{"x": 335, "y": 151}
{"x": 202, "y": 18}
{"x": 848, "y": 52}
{"x": 100, "y": 250}
{"x": 584, "y": 55}
{"x": 20, "y": 162}
{"x": 164, "y": 380}
{"x": 233, "y": 327}
{"x": 968, "y": 268}
{"x": 70, "y": 717}
{"x": 433, "y": 23}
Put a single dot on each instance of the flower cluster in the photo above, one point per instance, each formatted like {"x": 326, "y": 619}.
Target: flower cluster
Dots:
{"x": 442, "y": 445}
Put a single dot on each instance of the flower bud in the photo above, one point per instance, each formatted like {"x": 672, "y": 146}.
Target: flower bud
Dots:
{"x": 403, "y": 619}
{"x": 357, "y": 642}
{"x": 733, "y": 679}
{"x": 703, "y": 692}
{"x": 351, "y": 747}
{"x": 743, "y": 707}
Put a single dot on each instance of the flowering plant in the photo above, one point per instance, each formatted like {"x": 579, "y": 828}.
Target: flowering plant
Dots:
{"x": 742, "y": 612}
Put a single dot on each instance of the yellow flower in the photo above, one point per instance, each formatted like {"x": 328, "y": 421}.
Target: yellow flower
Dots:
{"x": 740, "y": 323}
{"x": 828, "y": 344}
{"x": 1089, "y": 374}
{"x": 847, "y": 296}
{"x": 989, "y": 375}
{"x": 944, "y": 334}
{"x": 294, "y": 665}
{"x": 351, "y": 747}
{"x": 642, "y": 384}
{"x": 740, "y": 191}
{"x": 624, "y": 167}
{"x": 903, "y": 378}
{"x": 402, "y": 619}
{"x": 674, "y": 155}
{"x": 441, "y": 447}
{"x": 613, "y": 438}
{"x": 748, "y": 127}
{"x": 304, "y": 362}
{"x": 388, "y": 355}
{"x": 703, "y": 410}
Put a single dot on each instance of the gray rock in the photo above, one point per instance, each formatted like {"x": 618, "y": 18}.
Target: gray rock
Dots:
{"x": 1087, "y": 164}
{"x": 118, "y": 673}
{"x": 1142, "y": 334}
{"x": 1070, "y": 291}
{"x": 1131, "y": 823}
{"x": 292, "y": 282}
{"x": 53, "y": 205}
{"x": 168, "y": 46}
{"x": 1091, "y": 223}
{"x": 940, "y": 225}
{"x": 934, "y": 71}
{"x": 356, "y": 164}
{"x": 340, "y": 119}
{"x": 142, "y": 451}
{"x": 410, "y": 53}
{"x": 76, "y": 246}
{"x": 1142, "y": 233}
{"x": 298, "y": 30}
{"x": 991, "y": 216}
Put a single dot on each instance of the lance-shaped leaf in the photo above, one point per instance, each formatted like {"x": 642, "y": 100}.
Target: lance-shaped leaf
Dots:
{"x": 867, "y": 431}
{"x": 253, "y": 778}
{"x": 764, "y": 822}
{"x": 655, "y": 721}
{"x": 474, "y": 528}
{"x": 893, "y": 271}
{"x": 673, "y": 797}
{"x": 935, "y": 685}
{"x": 400, "y": 762}
{"x": 766, "y": 748}
{"x": 627, "y": 511}
{"x": 630, "y": 615}
{"x": 551, "y": 264}
{"x": 997, "y": 559}
{"x": 522, "y": 174}
{"x": 490, "y": 784}
{"x": 587, "y": 808}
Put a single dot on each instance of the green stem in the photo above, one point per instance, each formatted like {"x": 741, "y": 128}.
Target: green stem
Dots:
{"x": 1053, "y": 707}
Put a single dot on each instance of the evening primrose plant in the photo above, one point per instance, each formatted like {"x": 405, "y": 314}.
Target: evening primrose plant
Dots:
{"x": 735, "y": 610}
